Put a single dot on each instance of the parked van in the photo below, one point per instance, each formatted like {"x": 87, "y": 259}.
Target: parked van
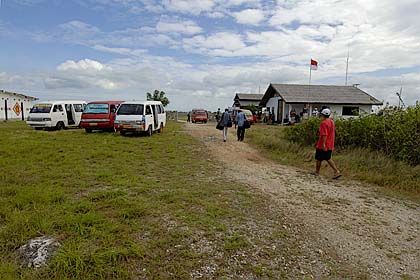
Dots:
{"x": 56, "y": 114}
{"x": 233, "y": 111}
{"x": 140, "y": 116}
{"x": 199, "y": 115}
{"x": 99, "y": 115}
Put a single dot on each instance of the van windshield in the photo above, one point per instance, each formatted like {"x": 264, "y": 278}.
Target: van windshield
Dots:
{"x": 96, "y": 109}
{"x": 130, "y": 109}
{"x": 41, "y": 108}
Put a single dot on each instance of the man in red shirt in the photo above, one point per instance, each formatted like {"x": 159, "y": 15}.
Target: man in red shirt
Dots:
{"x": 325, "y": 144}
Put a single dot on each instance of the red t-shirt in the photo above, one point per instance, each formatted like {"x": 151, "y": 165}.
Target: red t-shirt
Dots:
{"x": 326, "y": 128}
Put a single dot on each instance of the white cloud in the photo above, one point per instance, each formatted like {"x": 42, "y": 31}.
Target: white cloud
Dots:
{"x": 176, "y": 25}
{"x": 249, "y": 16}
{"x": 122, "y": 51}
{"x": 10, "y": 79}
{"x": 85, "y": 65}
{"x": 80, "y": 28}
{"x": 221, "y": 41}
{"x": 194, "y": 7}
{"x": 215, "y": 15}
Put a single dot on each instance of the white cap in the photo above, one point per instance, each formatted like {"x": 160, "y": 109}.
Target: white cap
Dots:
{"x": 326, "y": 112}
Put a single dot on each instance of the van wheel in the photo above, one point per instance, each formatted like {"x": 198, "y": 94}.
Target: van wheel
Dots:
{"x": 122, "y": 132}
{"x": 160, "y": 128}
{"x": 38, "y": 128}
{"x": 149, "y": 131}
{"x": 88, "y": 130}
{"x": 59, "y": 126}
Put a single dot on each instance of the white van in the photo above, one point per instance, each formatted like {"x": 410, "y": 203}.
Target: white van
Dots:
{"x": 140, "y": 116}
{"x": 56, "y": 114}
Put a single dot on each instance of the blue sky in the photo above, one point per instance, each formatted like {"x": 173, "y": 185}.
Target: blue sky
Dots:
{"x": 202, "y": 52}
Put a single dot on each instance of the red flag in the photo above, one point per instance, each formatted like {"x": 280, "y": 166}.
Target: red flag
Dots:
{"x": 314, "y": 64}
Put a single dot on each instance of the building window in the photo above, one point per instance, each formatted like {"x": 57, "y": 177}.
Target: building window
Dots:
{"x": 350, "y": 111}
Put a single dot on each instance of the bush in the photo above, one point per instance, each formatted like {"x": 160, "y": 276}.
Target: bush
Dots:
{"x": 392, "y": 131}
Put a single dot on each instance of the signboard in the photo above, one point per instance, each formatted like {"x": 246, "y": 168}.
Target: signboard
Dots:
{"x": 17, "y": 109}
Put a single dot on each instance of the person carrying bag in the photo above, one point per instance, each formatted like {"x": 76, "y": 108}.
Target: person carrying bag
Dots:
{"x": 224, "y": 123}
{"x": 242, "y": 125}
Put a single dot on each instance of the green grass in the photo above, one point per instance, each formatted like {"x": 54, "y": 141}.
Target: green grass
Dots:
{"x": 396, "y": 177}
{"x": 132, "y": 207}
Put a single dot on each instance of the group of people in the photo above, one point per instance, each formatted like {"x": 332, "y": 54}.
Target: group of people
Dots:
{"x": 324, "y": 145}
{"x": 240, "y": 124}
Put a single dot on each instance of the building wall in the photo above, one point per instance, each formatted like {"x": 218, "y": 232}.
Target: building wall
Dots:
{"x": 336, "y": 109}
{"x": 14, "y": 106}
{"x": 273, "y": 102}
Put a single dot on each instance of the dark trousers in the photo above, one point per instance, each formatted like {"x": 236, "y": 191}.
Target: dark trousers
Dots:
{"x": 241, "y": 133}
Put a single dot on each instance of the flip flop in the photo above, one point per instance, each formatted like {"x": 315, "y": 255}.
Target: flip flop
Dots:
{"x": 314, "y": 173}
{"x": 336, "y": 176}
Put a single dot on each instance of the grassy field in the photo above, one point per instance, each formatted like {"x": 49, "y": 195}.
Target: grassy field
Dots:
{"x": 396, "y": 178}
{"x": 134, "y": 208}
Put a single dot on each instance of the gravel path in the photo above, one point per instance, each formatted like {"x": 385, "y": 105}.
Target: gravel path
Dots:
{"x": 377, "y": 234}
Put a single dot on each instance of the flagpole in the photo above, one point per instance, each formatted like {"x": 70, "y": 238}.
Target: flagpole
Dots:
{"x": 310, "y": 73}
{"x": 309, "y": 85}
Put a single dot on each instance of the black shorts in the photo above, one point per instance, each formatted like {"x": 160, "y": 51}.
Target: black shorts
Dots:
{"x": 321, "y": 155}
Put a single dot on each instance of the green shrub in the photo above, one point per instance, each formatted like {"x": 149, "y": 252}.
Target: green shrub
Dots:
{"x": 392, "y": 131}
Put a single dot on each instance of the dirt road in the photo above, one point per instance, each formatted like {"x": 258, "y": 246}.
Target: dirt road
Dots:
{"x": 379, "y": 235}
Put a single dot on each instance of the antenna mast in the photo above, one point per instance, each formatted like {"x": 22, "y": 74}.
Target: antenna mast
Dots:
{"x": 347, "y": 64}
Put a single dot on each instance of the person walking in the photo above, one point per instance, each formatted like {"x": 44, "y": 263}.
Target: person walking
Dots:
{"x": 226, "y": 122}
{"x": 240, "y": 120}
{"x": 189, "y": 117}
{"x": 218, "y": 114}
{"x": 325, "y": 144}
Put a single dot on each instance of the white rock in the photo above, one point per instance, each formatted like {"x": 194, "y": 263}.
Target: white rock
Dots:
{"x": 37, "y": 252}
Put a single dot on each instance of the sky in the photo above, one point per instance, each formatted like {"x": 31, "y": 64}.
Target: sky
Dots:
{"x": 202, "y": 52}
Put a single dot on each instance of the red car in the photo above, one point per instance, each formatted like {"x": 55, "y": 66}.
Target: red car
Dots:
{"x": 199, "y": 115}
{"x": 99, "y": 115}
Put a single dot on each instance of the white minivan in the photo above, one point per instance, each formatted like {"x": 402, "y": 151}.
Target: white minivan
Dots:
{"x": 56, "y": 114}
{"x": 140, "y": 116}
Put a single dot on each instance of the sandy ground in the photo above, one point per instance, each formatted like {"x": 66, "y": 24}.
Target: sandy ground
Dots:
{"x": 379, "y": 235}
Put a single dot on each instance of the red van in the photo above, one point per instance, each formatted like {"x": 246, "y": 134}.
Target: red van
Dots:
{"x": 99, "y": 115}
{"x": 199, "y": 115}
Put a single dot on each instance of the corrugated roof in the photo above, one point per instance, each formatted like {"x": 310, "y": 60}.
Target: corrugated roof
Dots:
{"x": 249, "y": 96}
{"x": 321, "y": 94}
{"x": 18, "y": 95}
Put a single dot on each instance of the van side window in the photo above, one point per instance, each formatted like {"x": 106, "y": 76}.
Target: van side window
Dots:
{"x": 161, "y": 109}
{"x": 78, "y": 107}
{"x": 148, "y": 110}
{"x": 58, "y": 108}
{"x": 112, "y": 108}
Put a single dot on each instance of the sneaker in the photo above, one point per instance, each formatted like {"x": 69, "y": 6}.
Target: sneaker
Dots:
{"x": 336, "y": 176}
{"x": 314, "y": 173}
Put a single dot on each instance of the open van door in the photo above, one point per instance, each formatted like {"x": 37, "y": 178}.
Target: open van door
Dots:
{"x": 70, "y": 114}
{"x": 155, "y": 117}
